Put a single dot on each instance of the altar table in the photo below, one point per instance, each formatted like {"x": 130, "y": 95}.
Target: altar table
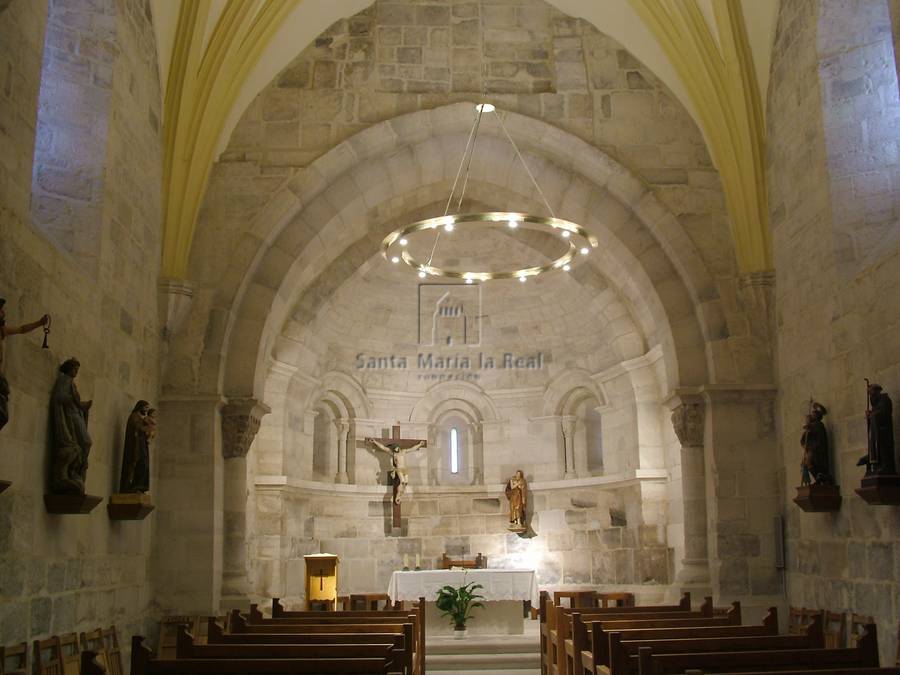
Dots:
{"x": 504, "y": 591}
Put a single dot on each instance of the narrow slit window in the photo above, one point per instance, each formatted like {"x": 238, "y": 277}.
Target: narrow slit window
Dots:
{"x": 454, "y": 450}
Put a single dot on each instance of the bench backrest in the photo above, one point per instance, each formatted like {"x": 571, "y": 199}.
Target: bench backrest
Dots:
{"x": 399, "y": 650}
{"x": 599, "y": 638}
{"x": 14, "y": 660}
{"x": 864, "y": 655}
{"x": 142, "y": 663}
{"x": 623, "y": 654}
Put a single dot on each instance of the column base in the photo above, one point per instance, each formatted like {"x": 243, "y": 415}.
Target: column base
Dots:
{"x": 341, "y": 478}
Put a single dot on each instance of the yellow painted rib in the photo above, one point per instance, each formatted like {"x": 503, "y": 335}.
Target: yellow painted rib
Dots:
{"x": 721, "y": 81}
{"x": 203, "y": 84}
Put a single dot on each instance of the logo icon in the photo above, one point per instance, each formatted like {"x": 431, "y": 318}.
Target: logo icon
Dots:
{"x": 449, "y": 315}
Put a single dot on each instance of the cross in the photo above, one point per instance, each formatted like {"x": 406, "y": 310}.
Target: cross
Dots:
{"x": 403, "y": 443}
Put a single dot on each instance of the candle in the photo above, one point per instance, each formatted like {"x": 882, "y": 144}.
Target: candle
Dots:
{"x": 405, "y": 560}
{"x": 417, "y": 560}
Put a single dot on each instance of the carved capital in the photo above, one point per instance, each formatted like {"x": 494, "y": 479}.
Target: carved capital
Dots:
{"x": 687, "y": 420}
{"x": 240, "y": 422}
{"x": 568, "y": 425}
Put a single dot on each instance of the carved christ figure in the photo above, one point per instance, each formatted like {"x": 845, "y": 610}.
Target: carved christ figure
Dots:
{"x": 6, "y": 331}
{"x": 398, "y": 464}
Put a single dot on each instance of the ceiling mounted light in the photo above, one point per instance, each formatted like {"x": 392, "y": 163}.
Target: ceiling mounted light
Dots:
{"x": 575, "y": 237}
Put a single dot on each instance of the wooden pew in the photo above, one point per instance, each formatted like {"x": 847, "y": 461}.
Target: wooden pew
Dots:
{"x": 142, "y": 663}
{"x": 817, "y": 671}
{"x": 597, "y": 652}
{"x": 549, "y": 612}
{"x": 864, "y": 655}
{"x": 398, "y": 651}
{"x": 294, "y": 633}
{"x": 280, "y": 615}
{"x": 623, "y": 654}
{"x": 14, "y": 660}
{"x": 562, "y": 639}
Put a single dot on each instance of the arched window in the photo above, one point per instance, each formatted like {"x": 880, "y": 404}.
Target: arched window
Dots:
{"x": 454, "y": 450}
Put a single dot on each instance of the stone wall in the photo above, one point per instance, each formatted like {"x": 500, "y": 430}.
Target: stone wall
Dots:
{"x": 837, "y": 311}
{"x": 588, "y": 534}
{"x": 65, "y": 573}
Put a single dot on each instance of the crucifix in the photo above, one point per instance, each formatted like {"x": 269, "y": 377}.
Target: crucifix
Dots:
{"x": 397, "y": 448}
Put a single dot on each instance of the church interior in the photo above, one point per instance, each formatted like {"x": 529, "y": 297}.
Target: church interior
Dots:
{"x": 366, "y": 261}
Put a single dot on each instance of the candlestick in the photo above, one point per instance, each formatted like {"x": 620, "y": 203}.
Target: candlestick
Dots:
{"x": 406, "y": 561}
{"x": 417, "y": 561}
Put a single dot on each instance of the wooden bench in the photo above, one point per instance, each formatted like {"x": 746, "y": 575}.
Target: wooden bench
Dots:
{"x": 624, "y": 654}
{"x": 561, "y": 637}
{"x": 293, "y": 633}
{"x": 598, "y": 653}
{"x": 143, "y": 663}
{"x": 279, "y": 613}
{"x": 548, "y": 620}
{"x": 864, "y": 655}
{"x": 398, "y": 651}
{"x": 817, "y": 671}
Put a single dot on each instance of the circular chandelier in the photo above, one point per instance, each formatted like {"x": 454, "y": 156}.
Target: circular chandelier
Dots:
{"x": 574, "y": 240}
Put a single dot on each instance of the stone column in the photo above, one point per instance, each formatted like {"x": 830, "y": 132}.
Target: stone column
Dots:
{"x": 343, "y": 428}
{"x": 568, "y": 431}
{"x": 688, "y": 422}
{"x": 189, "y": 512}
{"x": 743, "y": 493}
{"x": 240, "y": 423}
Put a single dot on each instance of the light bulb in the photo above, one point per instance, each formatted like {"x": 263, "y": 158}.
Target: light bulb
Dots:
{"x": 485, "y": 107}
{"x": 513, "y": 224}
{"x": 468, "y": 281}
{"x": 566, "y": 234}
{"x": 566, "y": 268}
{"x": 421, "y": 275}
{"x": 585, "y": 250}
{"x": 448, "y": 227}
{"x": 522, "y": 279}
{"x": 395, "y": 259}
{"x": 403, "y": 242}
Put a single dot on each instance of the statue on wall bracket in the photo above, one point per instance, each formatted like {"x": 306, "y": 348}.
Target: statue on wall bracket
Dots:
{"x": 516, "y": 493}
{"x": 881, "y": 484}
{"x": 132, "y": 501}
{"x": 6, "y": 331}
{"x": 817, "y": 491}
{"x": 70, "y": 445}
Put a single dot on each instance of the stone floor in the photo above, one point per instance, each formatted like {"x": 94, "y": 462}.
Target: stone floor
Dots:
{"x": 489, "y": 654}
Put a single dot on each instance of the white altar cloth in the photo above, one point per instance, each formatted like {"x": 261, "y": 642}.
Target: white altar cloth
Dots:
{"x": 499, "y": 584}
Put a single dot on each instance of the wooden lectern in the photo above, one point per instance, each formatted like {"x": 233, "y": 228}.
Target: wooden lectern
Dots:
{"x": 321, "y": 580}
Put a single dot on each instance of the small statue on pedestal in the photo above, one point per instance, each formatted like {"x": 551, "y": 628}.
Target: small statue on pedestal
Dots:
{"x": 881, "y": 484}
{"x": 71, "y": 442}
{"x": 136, "y": 454}
{"x": 879, "y": 420}
{"x": 4, "y": 332}
{"x": 516, "y": 494}
{"x": 817, "y": 492}
{"x": 815, "y": 447}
